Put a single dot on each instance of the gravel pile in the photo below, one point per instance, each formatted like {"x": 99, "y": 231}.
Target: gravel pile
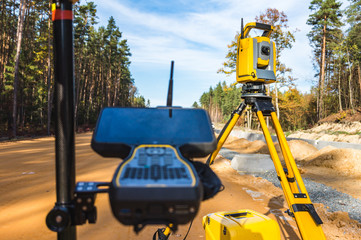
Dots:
{"x": 318, "y": 192}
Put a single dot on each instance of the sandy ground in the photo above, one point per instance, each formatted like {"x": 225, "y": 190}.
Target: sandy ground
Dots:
{"x": 333, "y": 132}
{"x": 27, "y": 190}
{"x": 338, "y": 168}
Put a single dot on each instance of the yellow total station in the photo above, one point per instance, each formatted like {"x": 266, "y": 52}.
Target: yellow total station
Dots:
{"x": 256, "y": 57}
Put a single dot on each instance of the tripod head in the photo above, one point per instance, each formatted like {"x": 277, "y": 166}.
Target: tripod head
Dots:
{"x": 256, "y": 57}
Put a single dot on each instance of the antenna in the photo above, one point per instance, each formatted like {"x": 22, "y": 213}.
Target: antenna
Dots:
{"x": 242, "y": 32}
{"x": 170, "y": 87}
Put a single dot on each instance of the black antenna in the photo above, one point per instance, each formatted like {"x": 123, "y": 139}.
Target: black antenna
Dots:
{"x": 170, "y": 87}
{"x": 242, "y": 32}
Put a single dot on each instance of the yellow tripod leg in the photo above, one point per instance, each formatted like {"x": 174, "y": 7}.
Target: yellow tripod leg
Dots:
{"x": 223, "y": 137}
{"x": 290, "y": 162}
{"x": 308, "y": 222}
{"x": 307, "y": 225}
{"x": 226, "y": 131}
{"x": 163, "y": 233}
{"x": 168, "y": 231}
{"x": 274, "y": 156}
{"x": 288, "y": 158}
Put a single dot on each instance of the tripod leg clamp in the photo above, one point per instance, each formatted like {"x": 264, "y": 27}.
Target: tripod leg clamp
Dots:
{"x": 308, "y": 208}
{"x": 161, "y": 235}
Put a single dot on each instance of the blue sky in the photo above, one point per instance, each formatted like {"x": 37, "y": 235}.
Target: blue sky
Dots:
{"x": 195, "y": 34}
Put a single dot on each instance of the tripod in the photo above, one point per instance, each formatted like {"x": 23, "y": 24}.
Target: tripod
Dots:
{"x": 297, "y": 198}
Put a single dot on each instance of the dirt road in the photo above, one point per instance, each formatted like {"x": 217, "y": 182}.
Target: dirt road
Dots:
{"x": 27, "y": 190}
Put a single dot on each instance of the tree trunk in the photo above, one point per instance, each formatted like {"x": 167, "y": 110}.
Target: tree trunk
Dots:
{"x": 349, "y": 81}
{"x": 49, "y": 73}
{"x": 109, "y": 82}
{"x": 359, "y": 75}
{"x": 350, "y": 89}
{"x": 322, "y": 70}
{"x": 276, "y": 101}
{"x": 19, "y": 34}
{"x": 116, "y": 89}
{"x": 339, "y": 88}
{"x": 3, "y": 42}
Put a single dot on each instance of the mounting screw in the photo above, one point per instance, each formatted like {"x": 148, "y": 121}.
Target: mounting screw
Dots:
{"x": 58, "y": 219}
{"x": 171, "y": 210}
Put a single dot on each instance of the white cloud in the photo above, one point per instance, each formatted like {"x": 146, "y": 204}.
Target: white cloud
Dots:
{"x": 198, "y": 41}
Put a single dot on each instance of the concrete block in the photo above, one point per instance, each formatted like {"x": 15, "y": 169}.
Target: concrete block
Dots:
{"x": 252, "y": 163}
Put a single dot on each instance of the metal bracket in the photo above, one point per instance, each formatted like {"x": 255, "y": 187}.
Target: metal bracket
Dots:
{"x": 288, "y": 179}
{"x": 300, "y": 195}
{"x": 84, "y": 200}
{"x": 264, "y": 105}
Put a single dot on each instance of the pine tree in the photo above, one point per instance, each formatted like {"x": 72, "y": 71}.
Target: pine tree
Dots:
{"x": 353, "y": 13}
{"x": 19, "y": 34}
{"x": 325, "y": 21}
{"x": 102, "y": 63}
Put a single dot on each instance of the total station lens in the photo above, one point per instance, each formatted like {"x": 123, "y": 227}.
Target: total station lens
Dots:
{"x": 265, "y": 50}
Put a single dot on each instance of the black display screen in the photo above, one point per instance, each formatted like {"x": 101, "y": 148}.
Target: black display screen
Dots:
{"x": 134, "y": 126}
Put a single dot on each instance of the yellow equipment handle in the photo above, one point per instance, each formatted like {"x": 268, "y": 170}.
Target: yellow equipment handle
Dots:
{"x": 268, "y": 29}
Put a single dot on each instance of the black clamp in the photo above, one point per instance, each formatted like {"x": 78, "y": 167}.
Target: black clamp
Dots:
{"x": 84, "y": 200}
{"x": 59, "y": 218}
{"x": 291, "y": 180}
{"x": 264, "y": 105}
{"x": 80, "y": 210}
{"x": 308, "y": 208}
{"x": 288, "y": 179}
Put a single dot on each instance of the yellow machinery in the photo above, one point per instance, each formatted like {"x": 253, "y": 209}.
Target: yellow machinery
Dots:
{"x": 241, "y": 224}
{"x": 254, "y": 72}
{"x": 256, "y": 57}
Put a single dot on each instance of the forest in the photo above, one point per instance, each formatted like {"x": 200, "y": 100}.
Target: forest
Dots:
{"x": 101, "y": 57}
{"x": 336, "y": 41}
{"x": 103, "y": 77}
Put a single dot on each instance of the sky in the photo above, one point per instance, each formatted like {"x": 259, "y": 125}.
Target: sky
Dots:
{"x": 195, "y": 34}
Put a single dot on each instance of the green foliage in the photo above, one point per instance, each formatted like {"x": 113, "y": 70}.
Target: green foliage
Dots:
{"x": 229, "y": 66}
{"x": 297, "y": 109}
{"x": 195, "y": 105}
{"x": 325, "y": 37}
{"x": 221, "y": 101}
{"x": 139, "y": 101}
{"x": 102, "y": 75}
{"x": 353, "y": 13}
{"x": 326, "y": 19}
{"x": 293, "y": 106}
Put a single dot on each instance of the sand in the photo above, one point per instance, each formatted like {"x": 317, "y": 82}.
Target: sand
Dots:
{"x": 333, "y": 132}
{"x": 338, "y": 168}
{"x": 27, "y": 188}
